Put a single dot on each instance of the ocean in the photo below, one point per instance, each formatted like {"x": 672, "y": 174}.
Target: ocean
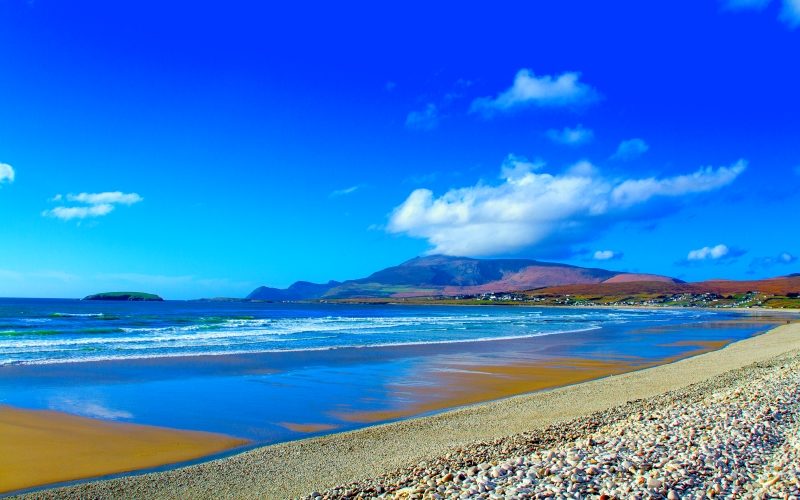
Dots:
{"x": 273, "y": 372}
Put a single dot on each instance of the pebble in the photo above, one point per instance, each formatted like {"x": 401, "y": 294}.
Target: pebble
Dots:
{"x": 738, "y": 438}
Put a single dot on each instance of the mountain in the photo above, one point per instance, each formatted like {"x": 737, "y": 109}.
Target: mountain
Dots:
{"x": 302, "y": 290}
{"x": 445, "y": 275}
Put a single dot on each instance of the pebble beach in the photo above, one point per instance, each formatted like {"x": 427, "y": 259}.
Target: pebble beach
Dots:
{"x": 721, "y": 424}
{"x": 734, "y": 436}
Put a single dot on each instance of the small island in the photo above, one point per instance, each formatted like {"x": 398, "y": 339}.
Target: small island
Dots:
{"x": 125, "y": 296}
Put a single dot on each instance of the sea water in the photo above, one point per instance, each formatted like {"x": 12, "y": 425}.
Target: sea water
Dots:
{"x": 38, "y": 331}
{"x": 255, "y": 370}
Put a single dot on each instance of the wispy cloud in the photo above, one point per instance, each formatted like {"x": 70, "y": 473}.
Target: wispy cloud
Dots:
{"x": 571, "y": 136}
{"x": 516, "y": 167}
{"x": 421, "y": 178}
{"x": 606, "y": 255}
{"x": 69, "y": 213}
{"x": 344, "y": 192}
{"x": 783, "y": 258}
{"x": 160, "y": 280}
{"x": 745, "y": 4}
{"x": 38, "y": 275}
{"x": 426, "y": 119}
{"x": 436, "y": 107}
{"x": 545, "y": 91}
{"x": 630, "y": 150}
{"x": 635, "y": 191}
{"x": 93, "y": 204}
{"x": 789, "y": 15}
{"x": 530, "y": 209}
{"x": 6, "y": 173}
{"x": 110, "y": 198}
{"x": 63, "y": 283}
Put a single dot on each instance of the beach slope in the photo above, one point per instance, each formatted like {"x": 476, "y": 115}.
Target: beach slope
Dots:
{"x": 300, "y": 467}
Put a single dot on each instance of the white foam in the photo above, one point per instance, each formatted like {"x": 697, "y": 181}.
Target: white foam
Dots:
{"x": 184, "y": 354}
{"x": 258, "y": 334}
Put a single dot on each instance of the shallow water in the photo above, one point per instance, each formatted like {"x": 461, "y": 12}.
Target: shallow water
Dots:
{"x": 273, "y": 372}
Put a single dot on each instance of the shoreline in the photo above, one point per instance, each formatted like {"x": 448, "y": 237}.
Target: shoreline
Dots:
{"x": 298, "y": 467}
{"x": 635, "y": 450}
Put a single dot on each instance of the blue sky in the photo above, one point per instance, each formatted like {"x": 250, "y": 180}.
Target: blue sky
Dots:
{"x": 203, "y": 149}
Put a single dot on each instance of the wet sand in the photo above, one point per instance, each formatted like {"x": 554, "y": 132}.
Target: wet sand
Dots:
{"x": 458, "y": 386}
{"x": 42, "y": 447}
{"x": 299, "y": 467}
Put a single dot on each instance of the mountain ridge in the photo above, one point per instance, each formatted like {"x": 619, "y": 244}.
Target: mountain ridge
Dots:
{"x": 451, "y": 276}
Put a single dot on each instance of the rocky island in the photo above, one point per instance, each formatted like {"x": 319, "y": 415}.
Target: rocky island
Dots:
{"x": 125, "y": 296}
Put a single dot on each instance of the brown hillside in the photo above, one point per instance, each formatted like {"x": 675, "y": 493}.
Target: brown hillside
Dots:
{"x": 630, "y": 277}
{"x": 774, "y": 286}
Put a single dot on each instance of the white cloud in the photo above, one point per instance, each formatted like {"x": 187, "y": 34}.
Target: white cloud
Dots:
{"x": 427, "y": 119}
{"x": 546, "y": 90}
{"x": 709, "y": 253}
{"x": 69, "y": 213}
{"x": 6, "y": 173}
{"x": 95, "y": 204}
{"x": 630, "y": 149}
{"x": 344, "y": 192}
{"x": 790, "y": 13}
{"x": 745, "y": 4}
{"x": 571, "y": 136}
{"x": 529, "y": 208}
{"x": 631, "y": 192}
{"x": 110, "y": 197}
{"x": 606, "y": 255}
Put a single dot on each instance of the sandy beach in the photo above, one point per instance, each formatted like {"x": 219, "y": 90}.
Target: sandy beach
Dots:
{"x": 40, "y": 447}
{"x": 298, "y": 468}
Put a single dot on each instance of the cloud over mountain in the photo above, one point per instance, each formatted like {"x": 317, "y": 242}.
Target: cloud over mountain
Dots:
{"x": 527, "y": 208}
{"x": 606, "y": 255}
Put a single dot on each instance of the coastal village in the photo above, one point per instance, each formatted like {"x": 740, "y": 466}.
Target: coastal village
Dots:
{"x": 751, "y": 299}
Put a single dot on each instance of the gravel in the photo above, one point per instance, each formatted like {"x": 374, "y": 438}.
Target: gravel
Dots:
{"x": 736, "y": 435}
